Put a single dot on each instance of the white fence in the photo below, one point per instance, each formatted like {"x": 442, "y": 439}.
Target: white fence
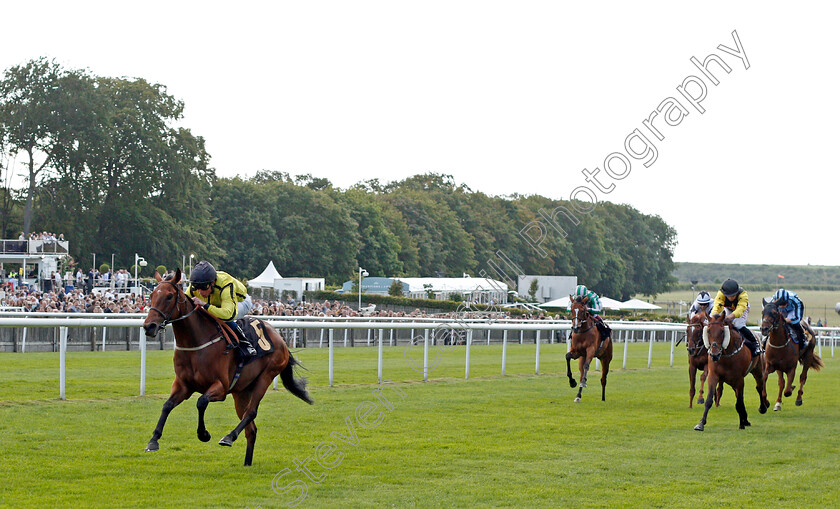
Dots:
{"x": 623, "y": 332}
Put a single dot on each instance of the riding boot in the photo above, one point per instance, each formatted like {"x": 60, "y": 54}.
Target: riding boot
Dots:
{"x": 245, "y": 347}
{"x": 603, "y": 329}
{"x": 799, "y": 332}
{"x": 750, "y": 341}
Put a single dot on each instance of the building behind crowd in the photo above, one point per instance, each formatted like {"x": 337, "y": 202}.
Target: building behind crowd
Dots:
{"x": 474, "y": 289}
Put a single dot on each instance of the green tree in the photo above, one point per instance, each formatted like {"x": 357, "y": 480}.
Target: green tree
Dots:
{"x": 532, "y": 289}
{"x": 396, "y": 289}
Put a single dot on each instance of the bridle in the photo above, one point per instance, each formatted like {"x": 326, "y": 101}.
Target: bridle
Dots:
{"x": 722, "y": 347}
{"x": 775, "y": 324}
{"x": 697, "y": 349}
{"x": 577, "y": 321}
{"x": 166, "y": 316}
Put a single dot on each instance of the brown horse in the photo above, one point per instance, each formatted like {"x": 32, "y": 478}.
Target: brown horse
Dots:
{"x": 782, "y": 354}
{"x": 730, "y": 362}
{"x": 585, "y": 346}
{"x": 203, "y": 364}
{"x": 698, "y": 359}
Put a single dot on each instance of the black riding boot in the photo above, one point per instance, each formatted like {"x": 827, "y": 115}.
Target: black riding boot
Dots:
{"x": 799, "y": 333}
{"x": 749, "y": 339}
{"x": 603, "y": 329}
{"x": 245, "y": 346}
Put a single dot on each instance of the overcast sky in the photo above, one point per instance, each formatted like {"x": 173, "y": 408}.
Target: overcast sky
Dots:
{"x": 508, "y": 97}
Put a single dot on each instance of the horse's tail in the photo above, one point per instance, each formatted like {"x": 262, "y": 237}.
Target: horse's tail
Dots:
{"x": 812, "y": 361}
{"x": 296, "y": 386}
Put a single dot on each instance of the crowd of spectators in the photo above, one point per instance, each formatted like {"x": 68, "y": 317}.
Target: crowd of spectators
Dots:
{"x": 47, "y": 236}
{"x": 74, "y": 301}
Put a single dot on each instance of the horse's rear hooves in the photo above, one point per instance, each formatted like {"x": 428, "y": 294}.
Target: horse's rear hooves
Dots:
{"x": 572, "y": 383}
{"x": 577, "y": 400}
{"x": 798, "y": 402}
{"x": 699, "y": 427}
{"x": 152, "y": 446}
{"x": 700, "y": 401}
{"x": 227, "y": 441}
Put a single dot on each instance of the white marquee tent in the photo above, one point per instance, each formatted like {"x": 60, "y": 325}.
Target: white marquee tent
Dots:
{"x": 266, "y": 279}
{"x": 638, "y": 304}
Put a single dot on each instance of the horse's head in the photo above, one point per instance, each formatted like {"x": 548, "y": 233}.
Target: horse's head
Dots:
{"x": 579, "y": 312}
{"x": 771, "y": 317}
{"x": 166, "y": 303}
{"x": 716, "y": 336}
{"x": 694, "y": 332}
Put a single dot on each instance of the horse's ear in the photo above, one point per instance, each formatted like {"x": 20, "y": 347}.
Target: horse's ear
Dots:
{"x": 177, "y": 277}
{"x": 763, "y": 302}
{"x": 157, "y": 277}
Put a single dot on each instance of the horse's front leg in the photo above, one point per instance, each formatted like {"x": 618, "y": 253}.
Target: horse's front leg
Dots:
{"x": 569, "y": 357}
{"x": 692, "y": 376}
{"x": 740, "y": 407}
{"x": 177, "y": 394}
{"x": 216, "y": 392}
{"x": 709, "y": 401}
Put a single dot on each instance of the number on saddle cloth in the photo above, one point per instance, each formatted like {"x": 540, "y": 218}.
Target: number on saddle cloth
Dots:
{"x": 256, "y": 334}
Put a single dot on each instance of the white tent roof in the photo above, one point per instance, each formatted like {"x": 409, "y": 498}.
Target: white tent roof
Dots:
{"x": 266, "y": 279}
{"x": 564, "y": 302}
{"x": 638, "y": 304}
{"x": 557, "y": 303}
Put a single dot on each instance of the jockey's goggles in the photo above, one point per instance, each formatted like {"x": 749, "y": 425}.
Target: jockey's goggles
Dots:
{"x": 201, "y": 286}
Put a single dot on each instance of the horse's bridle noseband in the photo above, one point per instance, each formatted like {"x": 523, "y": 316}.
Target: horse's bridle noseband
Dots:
{"x": 775, "y": 325}
{"x": 576, "y": 329}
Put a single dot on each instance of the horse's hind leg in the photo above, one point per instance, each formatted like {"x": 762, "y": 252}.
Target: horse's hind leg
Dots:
{"x": 791, "y": 374}
{"x": 216, "y": 392}
{"x": 700, "y": 400}
{"x": 708, "y": 406}
{"x": 250, "y": 410}
{"x": 605, "y": 368}
{"x": 241, "y": 400}
{"x": 803, "y": 377}
{"x": 761, "y": 388}
{"x": 740, "y": 407}
{"x": 178, "y": 394}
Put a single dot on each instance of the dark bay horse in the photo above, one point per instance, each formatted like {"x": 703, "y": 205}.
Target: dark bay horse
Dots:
{"x": 730, "y": 362}
{"x": 585, "y": 347}
{"x": 204, "y": 365}
{"x": 783, "y": 353}
{"x": 698, "y": 359}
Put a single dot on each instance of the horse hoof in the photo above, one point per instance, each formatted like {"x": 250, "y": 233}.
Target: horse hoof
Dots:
{"x": 577, "y": 400}
{"x": 777, "y": 407}
{"x": 798, "y": 402}
{"x": 227, "y": 441}
{"x": 700, "y": 401}
{"x": 572, "y": 383}
{"x": 741, "y": 426}
{"x": 745, "y": 423}
{"x": 583, "y": 385}
{"x": 204, "y": 435}
{"x": 153, "y": 446}
{"x": 699, "y": 427}
{"x": 788, "y": 394}
{"x": 762, "y": 409}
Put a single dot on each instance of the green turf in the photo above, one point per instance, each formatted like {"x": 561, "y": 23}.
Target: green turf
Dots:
{"x": 517, "y": 441}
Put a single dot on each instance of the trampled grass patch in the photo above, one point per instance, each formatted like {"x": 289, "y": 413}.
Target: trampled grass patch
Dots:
{"x": 490, "y": 441}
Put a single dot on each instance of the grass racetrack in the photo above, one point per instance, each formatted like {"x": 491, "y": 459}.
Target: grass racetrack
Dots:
{"x": 490, "y": 441}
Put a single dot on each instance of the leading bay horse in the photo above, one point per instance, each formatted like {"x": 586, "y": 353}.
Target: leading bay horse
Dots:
{"x": 782, "y": 354}
{"x": 698, "y": 359}
{"x": 585, "y": 346}
{"x": 730, "y": 362}
{"x": 203, "y": 364}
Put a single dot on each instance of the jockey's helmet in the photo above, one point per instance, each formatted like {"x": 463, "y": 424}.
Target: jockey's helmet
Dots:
{"x": 203, "y": 273}
{"x": 580, "y": 291}
{"x": 782, "y": 296}
{"x": 704, "y": 298}
{"x": 730, "y": 288}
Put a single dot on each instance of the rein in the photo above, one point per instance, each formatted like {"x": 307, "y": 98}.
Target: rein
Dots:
{"x": 775, "y": 326}
{"x": 730, "y": 354}
{"x": 697, "y": 349}
{"x": 167, "y": 320}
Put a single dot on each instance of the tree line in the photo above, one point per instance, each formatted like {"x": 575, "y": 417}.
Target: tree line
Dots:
{"x": 105, "y": 164}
